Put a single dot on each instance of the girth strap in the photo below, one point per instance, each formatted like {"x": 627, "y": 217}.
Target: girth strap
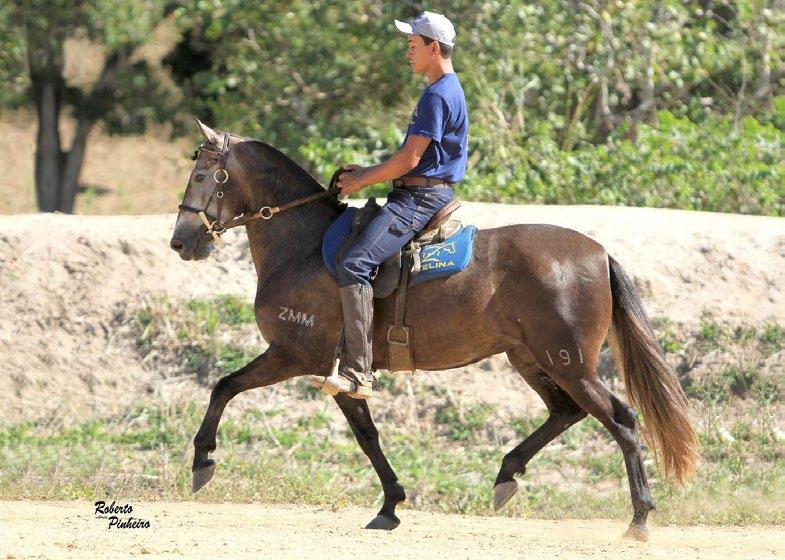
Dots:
{"x": 400, "y": 349}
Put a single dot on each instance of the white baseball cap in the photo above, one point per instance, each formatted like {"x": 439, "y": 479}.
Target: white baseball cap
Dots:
{"x": 429, "y": 24}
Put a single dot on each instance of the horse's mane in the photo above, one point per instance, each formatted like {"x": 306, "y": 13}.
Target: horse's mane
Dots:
{"x": 301, "y": 175}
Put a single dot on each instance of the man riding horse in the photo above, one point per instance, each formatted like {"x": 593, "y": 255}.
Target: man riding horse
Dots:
{"x": 548, "y": 297}
{"x": 432, "y": 158}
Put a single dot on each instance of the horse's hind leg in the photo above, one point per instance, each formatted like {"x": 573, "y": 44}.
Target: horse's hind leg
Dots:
{"x": 588, "y": 391}
{"x": 563, "y": 413}
{"x": 269, "y": 368}
{"x": 361, "y": 423}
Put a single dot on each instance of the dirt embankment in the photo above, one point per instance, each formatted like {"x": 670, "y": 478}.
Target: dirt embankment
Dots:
{"x": 65, "y": 279}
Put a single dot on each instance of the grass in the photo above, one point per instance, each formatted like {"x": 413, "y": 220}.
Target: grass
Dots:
{"x": 462, "y": 422}
{"x": 304, "y": 452}
{"x": 713, "y": 334}
{"x": 313, "y": 459}
{"x": 668, "y": 338}
{"x": 89, "y": 197}
{"x": 773, "y": 337}
{"x": 203, "y": 335}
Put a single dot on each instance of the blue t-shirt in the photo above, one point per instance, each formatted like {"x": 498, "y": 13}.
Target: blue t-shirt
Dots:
{"x": 441, "y": 115}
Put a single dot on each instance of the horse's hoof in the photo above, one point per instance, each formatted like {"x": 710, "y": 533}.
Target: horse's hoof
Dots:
{"x": 637, "y": 533}
{"x": 383, "y": 522}
{"x": 203, "y": 474}
{"x": 502, "y": 493}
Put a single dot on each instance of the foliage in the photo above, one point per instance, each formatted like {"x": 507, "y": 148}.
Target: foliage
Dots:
{"x": 13, "y": 82}
{"x": 671, "y": 103}
{"x": 462, "y": 424}
{"x": 127, "y": 95}
{"x": 637, "y": 103}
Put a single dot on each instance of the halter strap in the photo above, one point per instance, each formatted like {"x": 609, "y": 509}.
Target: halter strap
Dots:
{"x": 267, "y": 212}
{"x": 221, "y": 176}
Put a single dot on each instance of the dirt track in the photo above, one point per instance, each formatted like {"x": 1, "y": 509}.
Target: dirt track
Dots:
{"x": 194, "y": 530}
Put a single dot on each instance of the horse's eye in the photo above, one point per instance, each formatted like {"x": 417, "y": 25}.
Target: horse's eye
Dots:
{"x": 200, "y": 176}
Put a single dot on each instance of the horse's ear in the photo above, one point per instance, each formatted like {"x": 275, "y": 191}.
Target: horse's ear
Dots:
{"x": 213, "y": 136}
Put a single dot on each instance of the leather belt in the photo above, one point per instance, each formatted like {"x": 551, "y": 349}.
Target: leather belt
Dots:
{"x": 404, "y": 182}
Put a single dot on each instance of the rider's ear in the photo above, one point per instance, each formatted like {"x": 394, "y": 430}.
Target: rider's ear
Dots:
{"x": 213, "y": 136}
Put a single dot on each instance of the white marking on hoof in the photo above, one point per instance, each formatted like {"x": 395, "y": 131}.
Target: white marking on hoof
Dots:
{"x": 502, "y": 493}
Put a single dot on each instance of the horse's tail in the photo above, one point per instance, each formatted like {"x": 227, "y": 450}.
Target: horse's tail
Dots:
{"x": 651, "y": 384}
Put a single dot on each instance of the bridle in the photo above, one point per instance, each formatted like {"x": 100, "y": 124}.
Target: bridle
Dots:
{"x": 215, "y": 226}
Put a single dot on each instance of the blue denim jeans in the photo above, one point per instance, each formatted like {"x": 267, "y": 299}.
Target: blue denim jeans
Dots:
{"x": 403, "y": 215}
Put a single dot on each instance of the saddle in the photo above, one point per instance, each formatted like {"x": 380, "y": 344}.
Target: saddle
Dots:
{"x": 387, "y": 275}
{"x": 442, "y": 248}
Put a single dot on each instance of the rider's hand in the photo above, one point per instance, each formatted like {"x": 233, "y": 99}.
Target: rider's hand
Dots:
{"x": 349, "y": 180}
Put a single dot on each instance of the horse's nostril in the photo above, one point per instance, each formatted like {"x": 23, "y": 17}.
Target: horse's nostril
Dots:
{"x": 176, "y": 245}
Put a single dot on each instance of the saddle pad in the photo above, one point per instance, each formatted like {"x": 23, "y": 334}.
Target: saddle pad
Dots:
{"x": 338, "y": 231}
{"x": 437, "y": 260}
{"x": 446, "y": 258}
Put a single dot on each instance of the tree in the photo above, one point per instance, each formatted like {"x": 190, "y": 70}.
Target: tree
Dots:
{"x": 126, "y": 96}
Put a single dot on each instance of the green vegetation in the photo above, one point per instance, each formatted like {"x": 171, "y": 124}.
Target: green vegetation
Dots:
{"x": 711, "y": 334}
{"x": 743, "y": 377}
{"x": 668, "y": 339}
{"x": 462, "y": 423}
{"x": 774, "y": 337}
{"x": 126, "y": 97}
{"x": 446, "y": 451}
{"x": 313, "y": 459}
{"x": 193, "y": 332}
{"x": 671, "y": 104}
{"x": 636, "y": 103}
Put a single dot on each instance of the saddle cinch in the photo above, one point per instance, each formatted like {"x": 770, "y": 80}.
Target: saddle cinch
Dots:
{"x": 442, "y": 248}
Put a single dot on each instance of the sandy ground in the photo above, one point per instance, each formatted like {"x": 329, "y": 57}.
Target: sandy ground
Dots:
{"x": 194, "y": 530}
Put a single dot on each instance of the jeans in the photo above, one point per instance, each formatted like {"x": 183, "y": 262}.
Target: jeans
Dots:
{"x": 401, "y": 218}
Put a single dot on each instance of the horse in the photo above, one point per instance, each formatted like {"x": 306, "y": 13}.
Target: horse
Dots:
{"x": 546, "y": 296}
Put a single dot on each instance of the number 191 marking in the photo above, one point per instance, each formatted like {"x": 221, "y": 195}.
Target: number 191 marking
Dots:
{"x": 564, "y": 354}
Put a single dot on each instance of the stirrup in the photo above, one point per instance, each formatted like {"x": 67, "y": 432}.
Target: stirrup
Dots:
{"x": 336, "y": 383}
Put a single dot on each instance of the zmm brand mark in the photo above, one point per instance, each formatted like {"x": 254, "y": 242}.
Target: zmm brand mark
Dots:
{"x": 298, "y": 317}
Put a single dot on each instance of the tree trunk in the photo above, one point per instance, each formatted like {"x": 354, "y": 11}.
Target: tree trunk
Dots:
{"x": 763, "y": 91}
{"x": 57, "y": 172}
{"x": 45, "y": 60}
{"x": 48, "y": 155}
{"x": 69, "y": 178}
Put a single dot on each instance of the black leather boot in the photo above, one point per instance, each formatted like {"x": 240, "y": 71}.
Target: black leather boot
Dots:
{"x": 355, "y": 376}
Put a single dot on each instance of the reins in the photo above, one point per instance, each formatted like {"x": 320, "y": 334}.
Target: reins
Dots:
{"x": 221, "y": 176}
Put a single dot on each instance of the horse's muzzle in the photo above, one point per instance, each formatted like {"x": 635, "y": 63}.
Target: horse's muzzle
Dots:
{"x": 191, "y": 246}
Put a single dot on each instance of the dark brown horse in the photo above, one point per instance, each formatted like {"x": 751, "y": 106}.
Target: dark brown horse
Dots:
{"x": 546, "y": 296}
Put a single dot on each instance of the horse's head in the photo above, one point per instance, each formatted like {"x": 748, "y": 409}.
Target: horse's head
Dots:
{"x": 217, "y": 191}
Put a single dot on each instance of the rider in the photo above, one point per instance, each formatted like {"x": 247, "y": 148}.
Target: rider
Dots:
{"x": 432, "y": 157}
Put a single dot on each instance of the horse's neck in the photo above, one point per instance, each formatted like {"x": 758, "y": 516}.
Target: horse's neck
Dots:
{"x": 294, "y": 234}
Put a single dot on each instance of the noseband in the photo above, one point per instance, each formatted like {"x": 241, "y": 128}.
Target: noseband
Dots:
{"x": 215, "y": 226}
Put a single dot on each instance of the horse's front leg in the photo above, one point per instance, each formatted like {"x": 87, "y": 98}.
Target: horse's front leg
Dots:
{"x": 361, "y": 423}
{"x": 269, "y": 368}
